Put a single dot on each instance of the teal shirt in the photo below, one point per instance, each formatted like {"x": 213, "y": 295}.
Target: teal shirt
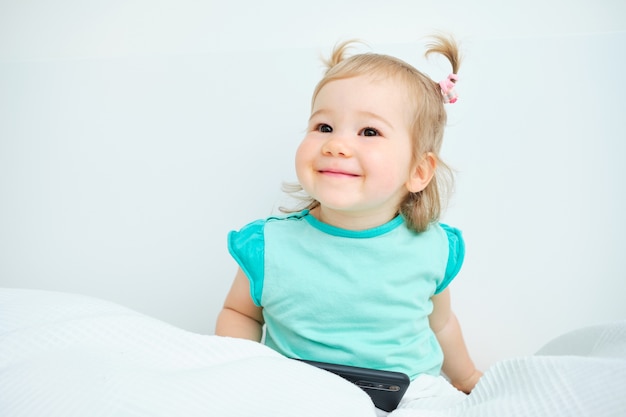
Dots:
{"x": 359, "y": 298}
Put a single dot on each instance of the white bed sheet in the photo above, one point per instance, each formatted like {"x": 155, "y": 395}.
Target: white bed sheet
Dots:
{"x": 69, "y": 355}
{"x": 580, "y": 374}
{"x": 64, "y": 355}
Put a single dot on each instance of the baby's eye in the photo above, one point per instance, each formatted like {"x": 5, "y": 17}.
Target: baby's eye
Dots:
{"x": 370, "y": 131}
{"x": 324, "y": 128}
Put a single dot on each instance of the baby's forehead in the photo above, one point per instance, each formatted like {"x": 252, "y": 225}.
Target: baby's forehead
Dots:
{"x": 365, "y": 94}
{"x": 376, "y": 71}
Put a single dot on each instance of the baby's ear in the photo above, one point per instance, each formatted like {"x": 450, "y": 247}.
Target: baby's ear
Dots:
{"x": 421, "y": 173}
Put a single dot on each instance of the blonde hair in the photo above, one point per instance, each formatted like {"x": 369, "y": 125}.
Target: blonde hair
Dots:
{"x": 422, "y": 208}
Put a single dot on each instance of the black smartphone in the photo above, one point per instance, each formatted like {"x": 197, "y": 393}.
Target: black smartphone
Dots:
{"x": 385, "y": 388}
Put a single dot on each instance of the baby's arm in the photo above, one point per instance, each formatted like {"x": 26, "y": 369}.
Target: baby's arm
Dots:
{"x": 457, "y": 364}
{"x": 240, "y": 317}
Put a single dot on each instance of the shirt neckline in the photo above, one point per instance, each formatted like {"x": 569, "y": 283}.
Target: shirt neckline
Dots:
{"x": 358, "y": 234}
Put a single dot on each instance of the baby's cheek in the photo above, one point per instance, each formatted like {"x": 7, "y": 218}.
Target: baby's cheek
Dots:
{"x": 391, "y": 182}
{"x": 300, "y": 156}
{"x": 303, "y": 162}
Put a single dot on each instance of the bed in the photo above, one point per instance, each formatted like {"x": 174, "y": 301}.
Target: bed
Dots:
{"x": 69, "y": 355}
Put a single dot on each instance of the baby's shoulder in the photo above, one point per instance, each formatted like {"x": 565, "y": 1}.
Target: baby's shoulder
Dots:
{"x": 453, "y": 235}
{"x": 256, "y": 228}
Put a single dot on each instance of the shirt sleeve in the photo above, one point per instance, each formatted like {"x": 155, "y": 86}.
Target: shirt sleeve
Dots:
{"x": 456, "y": 254}
{"x": 247, "y": 247}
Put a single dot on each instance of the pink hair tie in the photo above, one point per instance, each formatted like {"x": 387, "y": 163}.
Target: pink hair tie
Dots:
{"x": 447, "y": 89}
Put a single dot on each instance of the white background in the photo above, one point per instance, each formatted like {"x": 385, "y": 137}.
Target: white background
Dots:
{"x": 135, "y": 134}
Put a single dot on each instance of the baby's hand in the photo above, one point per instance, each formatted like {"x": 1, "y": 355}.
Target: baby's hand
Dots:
{"x": 467, "y": 385}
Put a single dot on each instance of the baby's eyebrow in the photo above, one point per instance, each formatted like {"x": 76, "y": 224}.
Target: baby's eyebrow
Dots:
{"x": 317, "y": 113}
{"x": 365, "y": 113}
{"x": 377, "y": 117}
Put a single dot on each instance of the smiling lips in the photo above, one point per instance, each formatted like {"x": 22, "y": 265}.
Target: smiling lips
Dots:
{"x": 337, "y": 173}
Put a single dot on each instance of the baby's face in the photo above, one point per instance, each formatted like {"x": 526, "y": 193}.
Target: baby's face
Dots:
{"x": 356, "y": 157}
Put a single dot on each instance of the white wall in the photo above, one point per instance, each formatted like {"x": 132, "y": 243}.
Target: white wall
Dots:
{"x": 134, "y": 135}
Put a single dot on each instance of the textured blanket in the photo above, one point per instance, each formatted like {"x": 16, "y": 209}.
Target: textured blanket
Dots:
{"x": 582, "y": 373}
{"x": 69, "y": 355}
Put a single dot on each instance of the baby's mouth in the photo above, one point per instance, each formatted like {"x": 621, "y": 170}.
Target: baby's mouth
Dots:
{"x": 337, "y": 173}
